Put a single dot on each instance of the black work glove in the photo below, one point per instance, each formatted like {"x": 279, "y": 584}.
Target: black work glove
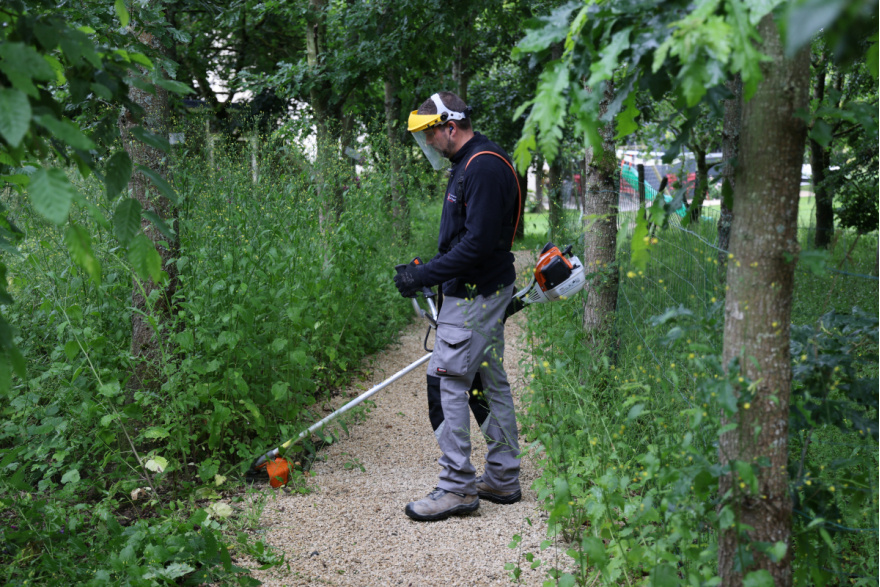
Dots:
{"x": 409, "y": 280}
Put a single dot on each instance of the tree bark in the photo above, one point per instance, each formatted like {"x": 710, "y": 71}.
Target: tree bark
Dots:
{"x": 539, "y": 184}
{"x": 760, "y": 277}
{"x": 554, "y": 195}
{"x": 461, "y": 70}
{"x": 145, "y": 343}
{"x": 393, "y": 111}
{"x": 321, "y": 101}
{"x": 730, "y": 154}
{"x": 701, "y": 183}
{"x": 820, "y": 161}
{"x": 600, "y": 235}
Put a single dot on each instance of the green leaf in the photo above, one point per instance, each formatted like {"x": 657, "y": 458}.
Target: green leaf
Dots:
{"x": 15, "y": 115}
{"x": 127, "y": 220}
{"x": 280, "y": 391}
{"x": 22, "y": 63}
{"x": 16, "y": 358}
{"x": 72, "y": 476}
{"x": 66, "y": 131}
{"x": 52, "y": 194}
{"x": 872, "y": 59}
{"x": 157, "y": 464}
{"x": 121, "y": 12}
{"x": 141, "y": 59}
{"x": 640, "y": 240}
{"x": 71, "y": 349}
{"x": 144, "y": 258}
{"x": 220, "y": 509}
{"x": 747, "y": 474}
{"x": 777, "y": 551}
{"x": 156, "y": 432}
{"x": 604, "y": 68}
{"x": 117, "y": 173}
{"x": 174, "y": 86}
{"x": 159, "y": 182}
{"x": 595, "y": 550}
{"x": 547, "y": 30}
{"x": 17, "y": 481}
{"x": 160, "y": 224}
{"x": 151, "y": 139}
{"x": 626, "y": 120}
{"x": 664, "y": 575}
{"x": 110, "y": 389}
{"x": 635, "y": 411}
{"x": 822, "y": 133}
{"x": 176, "y": 570}
{"x": 185, "y": 339}
{"x": 808, "y": 18}
{"x": 79, "y": 244}
{"x": 726, "y": 517}
{"x": 761, "y": 578}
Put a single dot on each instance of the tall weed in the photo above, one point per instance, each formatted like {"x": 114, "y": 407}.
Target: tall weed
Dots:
{"x": 278, "y": 303}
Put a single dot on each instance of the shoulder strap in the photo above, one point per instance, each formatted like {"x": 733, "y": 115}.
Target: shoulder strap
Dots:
{"x": 515, "y": 180}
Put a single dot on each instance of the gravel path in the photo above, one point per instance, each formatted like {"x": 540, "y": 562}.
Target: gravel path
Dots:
{"x": 352, "y": 530}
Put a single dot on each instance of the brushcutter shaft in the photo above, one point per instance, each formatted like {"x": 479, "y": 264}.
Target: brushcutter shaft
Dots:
{"x": 317, "y": 425}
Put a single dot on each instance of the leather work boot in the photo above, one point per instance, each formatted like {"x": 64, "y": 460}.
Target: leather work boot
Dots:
{"x": 495, "y": 496}
{"x": 440, "y": 504}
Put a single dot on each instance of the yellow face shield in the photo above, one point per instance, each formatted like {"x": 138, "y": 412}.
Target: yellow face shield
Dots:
{"x": 418, "y": 123}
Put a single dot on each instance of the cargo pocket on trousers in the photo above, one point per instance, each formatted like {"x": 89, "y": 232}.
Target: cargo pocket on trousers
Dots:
{"x": 452, "y": 351}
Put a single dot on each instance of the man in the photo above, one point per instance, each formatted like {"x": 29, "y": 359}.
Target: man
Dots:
{"x": 474, "y": 266}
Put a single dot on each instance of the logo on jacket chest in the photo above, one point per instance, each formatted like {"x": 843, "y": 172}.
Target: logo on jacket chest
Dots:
{"x": 450, "y": 197}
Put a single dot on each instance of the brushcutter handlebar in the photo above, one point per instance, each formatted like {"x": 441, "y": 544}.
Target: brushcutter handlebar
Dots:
{"x": 425, "y": 291}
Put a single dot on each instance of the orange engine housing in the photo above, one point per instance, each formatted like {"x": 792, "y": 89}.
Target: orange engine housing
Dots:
{"x": 552, "y": 268}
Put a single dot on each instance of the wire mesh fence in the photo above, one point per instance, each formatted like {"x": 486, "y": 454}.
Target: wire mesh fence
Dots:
{"x": 687, "y": 269}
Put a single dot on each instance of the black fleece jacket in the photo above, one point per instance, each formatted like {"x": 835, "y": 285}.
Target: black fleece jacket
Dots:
{"x": 477, "y": 224}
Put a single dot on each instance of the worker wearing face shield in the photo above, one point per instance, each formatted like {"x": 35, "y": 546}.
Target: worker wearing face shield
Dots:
{"x": 474, "y": 267}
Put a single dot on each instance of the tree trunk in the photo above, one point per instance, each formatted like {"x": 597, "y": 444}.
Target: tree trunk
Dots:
{"x": 539, "y": 185}
{"x": 600, "y": 235}
{"x": 321, "y": 102}
{"x": 730, "y": 154}
{"x": 701, "y": 183}
{"x": 554, "y": 196}
{"x": 398, "y": 203}
{"x": 145, "y": 343}
{"x": 461, "y": 69}
{"x": 820, "y": 161}
{"x": 760, "y": 277}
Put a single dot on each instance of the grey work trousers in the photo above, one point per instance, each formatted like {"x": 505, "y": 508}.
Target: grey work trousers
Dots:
{"x": 470, "y": 339}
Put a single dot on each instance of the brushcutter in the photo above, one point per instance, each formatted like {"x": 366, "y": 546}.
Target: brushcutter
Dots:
{"x": 557, "y": 276}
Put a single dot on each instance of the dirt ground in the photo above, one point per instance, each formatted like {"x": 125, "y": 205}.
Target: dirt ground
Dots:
{"x": 351, "y": 530}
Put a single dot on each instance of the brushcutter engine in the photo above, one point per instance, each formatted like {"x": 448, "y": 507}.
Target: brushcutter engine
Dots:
{"x": 558, "y": 275}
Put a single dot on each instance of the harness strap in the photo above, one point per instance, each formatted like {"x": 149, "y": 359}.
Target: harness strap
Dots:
{"x": 518, "y": 188}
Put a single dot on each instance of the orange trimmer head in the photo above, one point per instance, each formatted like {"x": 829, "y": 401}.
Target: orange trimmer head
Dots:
{"x": 278, "y": 470}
